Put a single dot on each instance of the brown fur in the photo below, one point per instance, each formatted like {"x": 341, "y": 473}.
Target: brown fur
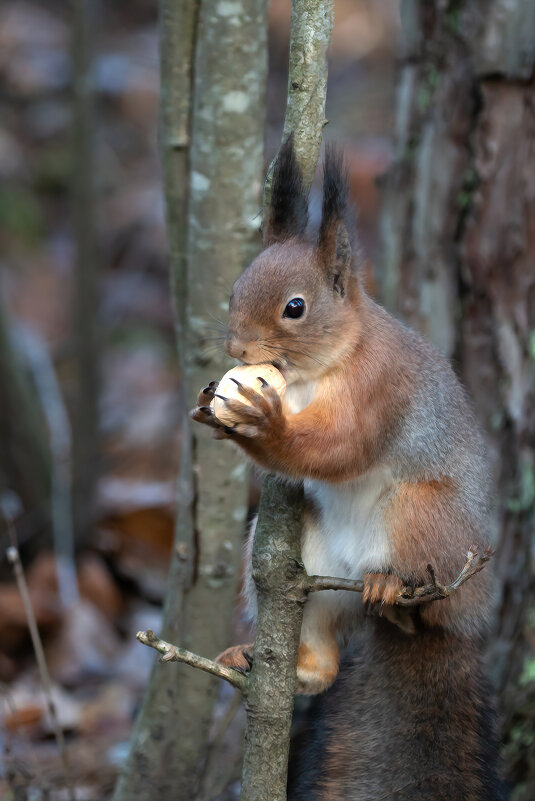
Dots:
{"x": 407, "y": 720}
{"x": 238, "y": 657}
{"x": 317, "y": 668}
{"x": 366, "y": 389}
{"x": 373, "y": 419}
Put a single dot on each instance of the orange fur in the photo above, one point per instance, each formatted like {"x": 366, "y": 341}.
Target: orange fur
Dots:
{"x": 419, "y": 518}
{"x": 365, "y": 392}
{"x": 234, "y": 657}
{"x": 317, "y": 667}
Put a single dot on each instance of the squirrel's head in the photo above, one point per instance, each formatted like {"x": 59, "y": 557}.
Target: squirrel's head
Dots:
{"x": 295, "y": 305}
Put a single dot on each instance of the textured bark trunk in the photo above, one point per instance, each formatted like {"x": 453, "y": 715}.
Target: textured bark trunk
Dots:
{"x": 458, "y": 235}
{"x": 213, "y": 84}
{"x": 278, "y": 573}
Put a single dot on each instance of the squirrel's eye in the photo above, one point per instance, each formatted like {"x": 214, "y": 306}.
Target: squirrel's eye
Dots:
{"x": 294, "y": 308}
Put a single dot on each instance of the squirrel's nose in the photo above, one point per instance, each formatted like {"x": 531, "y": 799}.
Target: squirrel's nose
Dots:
{"x": 235, "y": 346}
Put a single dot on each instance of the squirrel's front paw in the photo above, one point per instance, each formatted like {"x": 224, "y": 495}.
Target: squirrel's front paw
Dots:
{"x": 381, "y": 588}
{"x": 261, "y": 418}
{"x": 239, "y": 657}
{"x": 203, "y": 412}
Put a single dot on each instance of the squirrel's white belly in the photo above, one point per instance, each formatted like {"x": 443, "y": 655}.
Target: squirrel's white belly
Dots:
{"x": 349, "y": 537}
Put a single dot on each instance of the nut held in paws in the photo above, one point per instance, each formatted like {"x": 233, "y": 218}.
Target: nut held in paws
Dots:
{"x": 246, "y": 374}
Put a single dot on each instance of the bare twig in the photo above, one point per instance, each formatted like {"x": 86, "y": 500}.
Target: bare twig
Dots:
{"x": 172, "y": 653}
{"x": 14, "y": 558}
{"x": 318, "y": 583}
{"x": 435, "y": 591}
{"x": 409, "y": 596}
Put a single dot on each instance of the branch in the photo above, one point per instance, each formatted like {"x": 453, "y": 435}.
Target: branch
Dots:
{"x": 317, "y": 583}
{"x": 276, "y": 549}
{"x": 172, "y": 653}
{"x": 435, "y": 591}
{"x": 409, "y": 596}
{"x": 278, "y": 573}
{"x": 13, "y": 557}
{"x": 311, "y": 27}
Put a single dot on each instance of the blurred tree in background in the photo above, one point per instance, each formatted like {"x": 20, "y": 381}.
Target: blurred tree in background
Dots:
{"x": 458, "y": 263}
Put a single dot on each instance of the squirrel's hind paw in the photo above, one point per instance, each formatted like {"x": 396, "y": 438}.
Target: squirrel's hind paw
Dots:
{"x": 238, "y": 657}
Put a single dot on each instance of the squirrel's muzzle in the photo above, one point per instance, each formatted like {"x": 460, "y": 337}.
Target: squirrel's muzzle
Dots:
{"x": 235, "y": 346}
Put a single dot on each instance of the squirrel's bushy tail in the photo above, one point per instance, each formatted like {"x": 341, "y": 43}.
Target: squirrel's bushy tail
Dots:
{"x": 409, "y": 719}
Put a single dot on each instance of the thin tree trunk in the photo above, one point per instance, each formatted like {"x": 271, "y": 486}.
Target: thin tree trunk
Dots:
{"x": 311, "y": 29}
{"x": 458, "y": 226}
{"x": 212, "y": 134}
{"x": 278, "y": 573}
{"x": 25, "y": 459}
{"x": 277, "y": 546}
{"x": 85, "y": 402}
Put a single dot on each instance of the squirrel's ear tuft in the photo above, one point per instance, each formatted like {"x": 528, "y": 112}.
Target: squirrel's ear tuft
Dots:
{"x": 288, "y": 210}
{"x": 334, "y": 242}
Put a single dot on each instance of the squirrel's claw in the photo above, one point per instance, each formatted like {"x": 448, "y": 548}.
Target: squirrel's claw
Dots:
{"x": 203, "y": 412}
{"x": 243, "y": 412}
{"x": 255, "y": 419}
{"x": 205, "y": 415}
{"x": 261, "y": 413}
{"x": 381, "y": 588}
{"x": 254, "y": 397}
{"x": 207, "y": 394}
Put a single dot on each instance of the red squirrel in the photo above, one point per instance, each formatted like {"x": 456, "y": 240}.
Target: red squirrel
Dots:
{"x": 377, "y": 426}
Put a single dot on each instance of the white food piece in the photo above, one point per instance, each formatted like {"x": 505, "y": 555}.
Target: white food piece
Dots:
{"x": 246, "y": 374}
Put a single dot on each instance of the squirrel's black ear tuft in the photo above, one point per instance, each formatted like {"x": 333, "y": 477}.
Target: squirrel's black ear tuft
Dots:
{"x": 334, "y": 242}
{"x": 288, "y": 210}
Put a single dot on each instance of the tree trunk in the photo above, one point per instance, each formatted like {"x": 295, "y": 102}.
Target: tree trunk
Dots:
{"x": 212, "y": 144}
{"x": 277, "y": 546}
{"x": 25, "y": 466}
{"x": 458, "y": 234}
{"x": 269, "y": 701}
{"x": 85, "y": 401}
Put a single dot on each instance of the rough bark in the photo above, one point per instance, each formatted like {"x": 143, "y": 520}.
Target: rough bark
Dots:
{"x": 279, "y": 577}
{"x": 213, "y": 77}
{"x": 458, "y": 227}
{"x": 85, "y": 402}
{"x": 270, "y": 697}
{"x": 311, "y": 28}
{"x": 271, "y": 692}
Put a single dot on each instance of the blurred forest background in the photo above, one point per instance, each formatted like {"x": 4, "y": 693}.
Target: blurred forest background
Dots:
{"x": 89, "y": 379}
